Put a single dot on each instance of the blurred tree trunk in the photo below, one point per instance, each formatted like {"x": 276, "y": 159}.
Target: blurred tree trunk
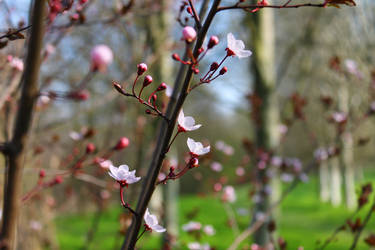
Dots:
{"x": 346, "y": 155}
{"x": 158, "y": 27}
{"x": 336, "y": 197}
{"x": 266, "y": 124}
{"x": 324, "y": 181}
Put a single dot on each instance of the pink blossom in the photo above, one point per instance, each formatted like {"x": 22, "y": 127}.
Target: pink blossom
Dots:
{"x": 229, "y": 194}
{"x": 15, "y": 62}
{"x": 216, "y": 166}
{"x": 240, "y": 171}
{"x": 103, "y": 163}
{"x": 189, "y": 34}
{"x": 209, "y": 230}
{"x": 191, "y": 226}
{"x": 101, "y": 57}
{"x": 228, "y": 150}
{"x": 339, "y": 117}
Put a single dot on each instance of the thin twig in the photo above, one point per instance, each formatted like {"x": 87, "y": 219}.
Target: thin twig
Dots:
{"x": 360, "y": 230}
{"x": 195, "y": 15}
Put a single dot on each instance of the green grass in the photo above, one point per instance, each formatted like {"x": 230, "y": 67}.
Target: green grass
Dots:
{"x": 302, "y": 221}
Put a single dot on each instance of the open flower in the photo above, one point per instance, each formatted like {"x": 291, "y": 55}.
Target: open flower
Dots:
{"x": 236, "y": 47}
{"x": 196, "y": 148}
{"x": 152, "y": 222}
{"x": 122, "y": 174}
{"x": 186, "y": 123}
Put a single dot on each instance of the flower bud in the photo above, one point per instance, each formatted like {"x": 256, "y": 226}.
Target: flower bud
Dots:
{"x": 214, "y": 66}
{"x": 194, "y": 162}
{"x": 223, "y": 71}
{"x": 154, "y": 97}
{"x": 161, "y": 87}
{"x": 142, "y": 67}
{"x": 122, "y": 143}
{"x": 214, "y": 40}
{"x": 148, "y": 111}
{"x": 196, "y": 71}
{"x": 42, "y": 173}
{"x": 58, "y": 179}
{"x": 147, "y": 81}
{"x": 200, "y": 50}
{"x": 101, "y": 57}
{"x": 189, "y": 10}
{"x": 189, "y": 34}
{"x": 176, "y": 57}
{"x": 90, "y": 148}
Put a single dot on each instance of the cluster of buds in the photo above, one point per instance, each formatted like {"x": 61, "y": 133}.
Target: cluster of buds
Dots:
{"x": 151, "y": 100}
{"x": 42, "y": 184}
{"x": 185, "y": 7}
{"x": 235, "y": 48}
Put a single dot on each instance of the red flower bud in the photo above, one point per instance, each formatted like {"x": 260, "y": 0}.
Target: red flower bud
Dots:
{"x": 176, "y": 57}
{"x": 214, "y": 40}
{"x": 147, "y": 81}
{"x": 142, "y": 67}
{"x": 58, "y": 179}
{"x": 214, "y": 66}
{"x": 154, "y": 97}
{"x": 42, "y": 173}
{"x": 200, "y": 50}
{"x": 223, "y": 71}
{"x": 122, "y": 143}
{"x": 161, "y": 87}
{"x": 148, "y": 111}
{"x": 196, "y": 71}
{"x": 90, "y": 148}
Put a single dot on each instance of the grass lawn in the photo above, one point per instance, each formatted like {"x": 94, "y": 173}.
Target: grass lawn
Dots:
{"x": 303, "y": 221}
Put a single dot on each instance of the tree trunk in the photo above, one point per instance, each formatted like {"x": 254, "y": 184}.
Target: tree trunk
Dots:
{"x": 324, "y": 181}
{"x": 266, "y": 122}
{"x": 346, "y": 156}
{"x": 336, "y": 197}
{"x": 11, "y": 208}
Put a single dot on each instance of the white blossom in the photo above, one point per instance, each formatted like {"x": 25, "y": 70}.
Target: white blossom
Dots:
{"x": 209, "y": 230}
{"x": 237, "y": 47}
{"x": 122, "y": 173}
{"x": 198, "y": 246}
{"x": 152, "y": 222}
{"x": 197, "y": 148}
{"x": 191, "y": 226}
{"x": 187, "y": 123}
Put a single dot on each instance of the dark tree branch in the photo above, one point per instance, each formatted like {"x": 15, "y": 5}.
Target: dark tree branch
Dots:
{"x": 11, "y": 207}
{"x": 164, "y": 136}
{"x": 360, "y": 230}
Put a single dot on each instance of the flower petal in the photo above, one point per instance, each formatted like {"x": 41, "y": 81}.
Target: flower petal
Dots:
{"x": 124, "y": 168}
{"x": 159, "y": 229}
{"x": 191, "y": 144}
{"x": 181, "y": 118}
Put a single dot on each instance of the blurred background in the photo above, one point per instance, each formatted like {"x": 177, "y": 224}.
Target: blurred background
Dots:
{"x": 302, "y": 104}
